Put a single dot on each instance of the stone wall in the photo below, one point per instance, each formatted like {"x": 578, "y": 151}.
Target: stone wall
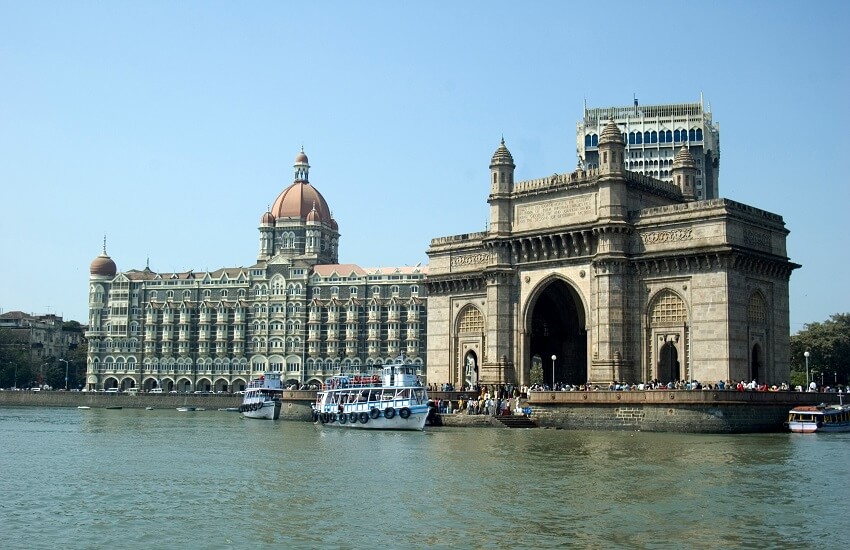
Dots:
{"x": 670, "y": 411}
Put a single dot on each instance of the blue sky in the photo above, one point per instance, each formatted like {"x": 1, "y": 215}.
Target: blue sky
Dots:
{"x": 171, "y": 126}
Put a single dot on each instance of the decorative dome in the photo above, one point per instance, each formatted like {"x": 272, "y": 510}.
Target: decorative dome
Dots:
{"x": 502, "y": 156}
{"x": 334, "y": 225}
{"x": 611, "y": 133}
{"x": 683, "y": 159}
{"x": 299, "y": 199}
{"x": 267, "y": 219}
{"x": 313, "y": 216}
{"x": 103, "y": 266}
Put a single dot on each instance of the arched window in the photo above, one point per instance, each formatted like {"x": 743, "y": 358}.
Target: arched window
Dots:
{"x": 587, "y": 140}
{"x": 594, "y": 140}
{"x": 699, "y": 134}
{"x": 669, "y": 136}
{"x": 677, "y": 136}
{"x": 470, "y": 320}
{"x": 668, "y": 308}
{"x": 647, "y": 137}
{"x": 662, "y": 137}
{"x": 692, "y": 135}
{"x": 653, "y": 137}
{"x": 638, "y": 138}
{"x": 631, "y": 138}
{"x": 757, "y": 310}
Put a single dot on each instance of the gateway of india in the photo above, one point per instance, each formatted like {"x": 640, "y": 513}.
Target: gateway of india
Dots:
{"x": 627, "y": 269}
{"x": 616, "y": 271}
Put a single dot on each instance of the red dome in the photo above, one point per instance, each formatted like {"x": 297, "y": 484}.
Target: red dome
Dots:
{"x": 103, "y": 266}
{"x": 267, "y": 219}
{"x": 298, "y": 200}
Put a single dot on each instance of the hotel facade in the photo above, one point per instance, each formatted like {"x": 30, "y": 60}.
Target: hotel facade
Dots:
{"x": 296, "y": 311}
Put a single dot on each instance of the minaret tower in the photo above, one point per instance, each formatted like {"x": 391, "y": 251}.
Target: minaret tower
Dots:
{"x": 685, "y": 173}
{"x": 611, "y": 149}
{"x": 501, "y": 185}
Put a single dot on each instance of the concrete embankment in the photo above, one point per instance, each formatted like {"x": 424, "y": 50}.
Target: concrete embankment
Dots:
{"x": 657, "y": 411}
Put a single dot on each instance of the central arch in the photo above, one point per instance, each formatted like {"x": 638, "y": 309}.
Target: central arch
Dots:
{"x": 555, "y": 323}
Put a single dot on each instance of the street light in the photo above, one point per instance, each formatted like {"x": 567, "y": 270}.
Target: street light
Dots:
{"x": 66, "y": 373}
{"x": 806, "y": 355}
{"x": 553, "y": 371}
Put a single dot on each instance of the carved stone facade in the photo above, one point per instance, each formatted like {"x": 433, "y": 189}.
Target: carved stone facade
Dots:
{"x": 616, "y": 274}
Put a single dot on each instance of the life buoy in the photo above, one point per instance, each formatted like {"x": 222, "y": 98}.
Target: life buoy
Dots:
{"x": 352, "y": 417}
{"x": 343, "y": 419}
{"x": 364, "y": 417}
{"x": 374, "y": 413}
{"x": 389, "y": 412}
{"x": 404, "y": 412}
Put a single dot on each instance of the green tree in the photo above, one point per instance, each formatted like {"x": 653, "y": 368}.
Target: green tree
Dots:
{"x": 828, "y": 344}
{"x": 536, "y": 373}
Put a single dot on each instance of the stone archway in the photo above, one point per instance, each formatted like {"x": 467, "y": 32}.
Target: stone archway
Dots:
{"x": 556, "y": 326}
{"x": 756, "y": 361}
{"x": 470, "y": 369}
{"x": 669, "y": 368}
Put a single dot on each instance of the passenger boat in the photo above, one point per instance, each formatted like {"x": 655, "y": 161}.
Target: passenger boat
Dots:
{"x": 393, "y": 401}
{"x": 819, "y": 418}
{"x": 262, "y": 398}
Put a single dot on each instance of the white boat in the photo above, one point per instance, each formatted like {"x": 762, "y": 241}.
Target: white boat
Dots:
{"x": 186, "y": 409}
{"x": 393, "y": 401}
{"x": 262, "y": 398}
{"x": 819, "y": 418}
{"x": 84, "y": 407}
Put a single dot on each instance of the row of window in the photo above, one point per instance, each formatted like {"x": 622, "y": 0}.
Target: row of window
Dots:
{"x": 664, "y": 136}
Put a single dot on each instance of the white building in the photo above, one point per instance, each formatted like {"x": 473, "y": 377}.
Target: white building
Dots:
{"x": 653, "y": 134}
{"x": 296, "y": 311}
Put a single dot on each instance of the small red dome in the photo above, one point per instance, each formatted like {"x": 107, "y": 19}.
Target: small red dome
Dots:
{"x": 267, "y": 219}
{"x": 103, "y": 266}
{"x": 298, "y": 201}
{"x": 301, "y": 158}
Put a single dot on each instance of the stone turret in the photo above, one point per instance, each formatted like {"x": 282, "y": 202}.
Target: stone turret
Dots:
{"x": 684, "y": 173}
{"x": 611, "y": 149}
{"x": 501, "y": 185}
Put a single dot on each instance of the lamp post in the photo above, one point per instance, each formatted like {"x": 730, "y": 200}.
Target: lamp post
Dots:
{"x": 553, "y": 371}
{"x": 806, "y": 355}
{"x": 66, "y": 373}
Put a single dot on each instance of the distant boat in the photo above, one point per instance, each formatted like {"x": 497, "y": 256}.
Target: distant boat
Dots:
{"x": 262, "y": 398}
{"x": 113, "y": 408}
{"x": 819, "y": 418}
{"x": 398, "y": 402}
{"x": 148, "y": 408}
{"x": 186, "y": 409}
{"x": 230, "y": 409}
{"x": 84, "y": 407}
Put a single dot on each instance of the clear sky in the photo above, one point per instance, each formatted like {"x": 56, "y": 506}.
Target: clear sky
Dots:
{"x": 170, "y": 127}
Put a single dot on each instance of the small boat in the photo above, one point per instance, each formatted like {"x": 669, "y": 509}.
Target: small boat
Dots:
{"x": 394, "y": 401}
{"x": 148, "y": 408}
{"x": 84, "y": 407}
{"x": 186, "y": 409}
{"x": 262, "y": 398}
{"x": 819, "y": 418}
{"x": 114, "y": 408}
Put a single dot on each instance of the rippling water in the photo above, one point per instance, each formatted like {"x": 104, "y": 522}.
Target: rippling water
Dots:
{"x": 165, "y": 479}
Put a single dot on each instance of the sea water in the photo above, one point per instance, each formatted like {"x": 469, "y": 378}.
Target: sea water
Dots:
{"x": 134, "y": 478}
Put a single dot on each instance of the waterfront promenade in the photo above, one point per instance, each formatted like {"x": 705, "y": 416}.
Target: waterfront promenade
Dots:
{"x": 650, "y": 410}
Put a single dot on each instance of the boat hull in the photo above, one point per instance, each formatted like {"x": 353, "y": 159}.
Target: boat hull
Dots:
{"x": 267, "y": 410}
{"x": 414, "y": 422}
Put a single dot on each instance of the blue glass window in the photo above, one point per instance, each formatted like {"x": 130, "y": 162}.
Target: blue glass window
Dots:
{"x": 653, "y": 137}
{"x": 692, "y": 135}
{"x": 631, "y": 138}
{"x": 638, "y": 137}
{"x": 699, "y": 134}
{"x": 677, "y": 136}
{"x": 587, "y": 140}
{"x": 669, "y": 136}
{"x": 647, "y": 138}
{"x": 594, "y": 140}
